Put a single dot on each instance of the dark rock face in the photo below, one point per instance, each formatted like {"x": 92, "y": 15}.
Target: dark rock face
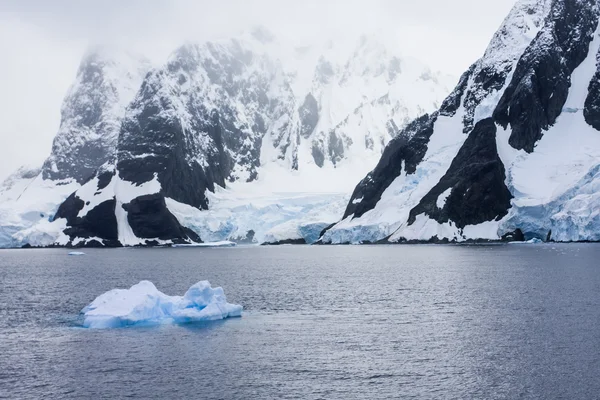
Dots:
{"x": 91, "y": 116}
{"x": 485, "y": 81}
{"x": 408, "y": 149}
{"x": 309, "y": 116}
{"x": 540, "y": 86}
{"x": 82, "y": 115}
{"x": 192, "y": 143}
{"x": 287, "y": 241}
{"x": 100, "y": 222}
{"x": 104, "y": 179}
{"x": 317, "y": 154}
{"x": 70, "y": 208}
{"x": 335, "y": 148}
{"x": 151, "y": 145}
{"x": 453, "y": 101}
{"x": 149, "y": 218}
{"x": 591, "y": 112}
{"x": 476, "y": 178}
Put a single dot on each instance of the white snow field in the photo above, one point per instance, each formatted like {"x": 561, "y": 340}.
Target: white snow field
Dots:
{"x": 144, "y": 304}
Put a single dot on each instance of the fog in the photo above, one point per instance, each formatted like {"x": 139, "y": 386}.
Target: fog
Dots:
{"x": 42, "y": 41}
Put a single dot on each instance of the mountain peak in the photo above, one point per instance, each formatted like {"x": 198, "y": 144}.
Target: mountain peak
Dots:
{"x": 107, "y": 80}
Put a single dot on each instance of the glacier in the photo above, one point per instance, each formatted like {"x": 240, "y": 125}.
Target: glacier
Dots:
{"x": 143, "y": 304}
{"x": 28, "y": 204}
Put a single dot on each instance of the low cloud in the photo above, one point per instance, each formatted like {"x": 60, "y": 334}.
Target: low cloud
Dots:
{"x": 41, "y": 42}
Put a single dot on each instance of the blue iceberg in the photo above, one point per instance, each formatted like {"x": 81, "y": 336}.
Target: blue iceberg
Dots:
{"x": 144, "y": 304}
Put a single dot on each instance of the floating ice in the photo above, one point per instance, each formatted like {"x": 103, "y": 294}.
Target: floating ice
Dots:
{"x": 77, "y": 253}
{"x": 223, "y": 243}
{"x": 530, "y": 241}
{"x": 144, "y": 304}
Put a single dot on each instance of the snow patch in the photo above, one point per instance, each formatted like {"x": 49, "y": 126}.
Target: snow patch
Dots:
{"x": 441, "y": 200}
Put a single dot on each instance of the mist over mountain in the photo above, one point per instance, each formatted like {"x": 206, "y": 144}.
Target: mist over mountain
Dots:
{"x": 248, "y": 115}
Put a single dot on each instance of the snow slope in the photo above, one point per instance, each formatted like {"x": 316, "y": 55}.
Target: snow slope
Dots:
{"x": 513, "y": 151}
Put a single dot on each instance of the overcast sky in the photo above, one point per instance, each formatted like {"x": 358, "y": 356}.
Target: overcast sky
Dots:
{"x": 41, "y": 42}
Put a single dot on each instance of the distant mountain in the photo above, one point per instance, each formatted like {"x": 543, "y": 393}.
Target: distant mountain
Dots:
{"x": 154, "y": 150}
{"x": 512, "y": 153}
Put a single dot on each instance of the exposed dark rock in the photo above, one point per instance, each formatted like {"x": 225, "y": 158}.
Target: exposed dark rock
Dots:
{"x": 325, "y": 230}
{"x": 485, "y": 81}
{"x": 151, "y": 144}
{"x": 516, "y": 236}
{"x": 591, "y": 112}
{"x": 89, "y": 110}
{"x": 99, "y": 222}
{"x": 401, "y": 151}
{"x": 287, "y": 241}
{"x": 452, "y": 103}
{"x": 476, "y": 178}
{"x": 335, "y": 148}
{"x": 392, "y": 129}
{"x": 69, "y": 209}
{"x": 540, "y": 85}
{"x": 317, "y": 154}
{"x": 309, "y": 115}
{"x": 104, "y": 179}
{"x": 93, "y": 244}
{"x": 149, "y": 218}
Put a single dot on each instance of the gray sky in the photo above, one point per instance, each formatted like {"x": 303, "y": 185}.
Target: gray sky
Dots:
{"x": 41, "y": 42}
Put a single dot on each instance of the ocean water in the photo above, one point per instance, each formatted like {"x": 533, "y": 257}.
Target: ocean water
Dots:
{"x": 366, "y": 322}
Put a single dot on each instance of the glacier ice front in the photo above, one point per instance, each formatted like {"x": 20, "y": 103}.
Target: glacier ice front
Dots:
{"x": 144, "y": 304}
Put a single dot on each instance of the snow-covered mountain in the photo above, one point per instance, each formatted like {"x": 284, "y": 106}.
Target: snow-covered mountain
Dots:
{"x": 92, "y": 111}
{"x": 513, "y": 152}
{"x": 107, "y": 81}
{"x": 245, "y": 123}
